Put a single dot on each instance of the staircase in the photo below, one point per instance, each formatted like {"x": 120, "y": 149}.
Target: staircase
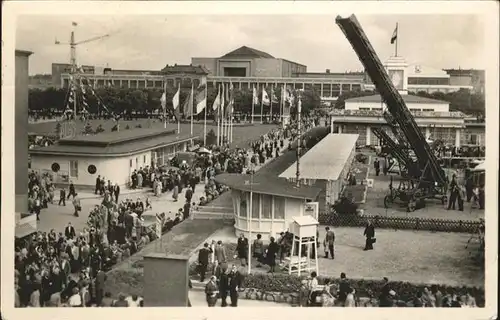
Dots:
{"x": 208, "y": 212}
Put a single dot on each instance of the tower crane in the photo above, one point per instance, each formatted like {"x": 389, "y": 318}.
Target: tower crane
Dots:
{"x": 72, "y": 44}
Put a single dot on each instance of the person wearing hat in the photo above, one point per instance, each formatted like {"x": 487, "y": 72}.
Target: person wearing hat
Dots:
{"x": 211, "y": 291}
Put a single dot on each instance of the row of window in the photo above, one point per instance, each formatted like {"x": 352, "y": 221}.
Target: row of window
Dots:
{"x": 91, "y": 169}
{"x": 380, "y": 109}
{"x": 263, "y": 206}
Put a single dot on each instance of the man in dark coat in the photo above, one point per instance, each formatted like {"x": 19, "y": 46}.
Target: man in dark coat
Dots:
{"x": 344, "y": 288}
{"x": 376, "y": 165}
{"x": 234, "y": 281}
{"x": 62, "y": 197}
{"x": 369, "y": 233}
{"x": 469, "y": 188}
{"x": 242, "y": 249}
{"x": 100, "y": 279}
{"x": 72, "y": 191}
{"x": 189, "y": 194}
{"x": 97, "y": 184}
{"x": 223, "y": 277}
{"x": 69, "y": 231}
{"x": 116, "y": 191}
{"x": 329, "y": 243}
{"x": 186, "y": 210}
{"x": 203, "y": 259}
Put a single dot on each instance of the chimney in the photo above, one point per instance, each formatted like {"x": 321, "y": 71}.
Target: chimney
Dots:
{"x": 327, "y": 70}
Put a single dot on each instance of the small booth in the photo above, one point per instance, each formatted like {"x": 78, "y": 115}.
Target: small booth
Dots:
{"x": 275, "y": 202}
{"x": 304, "y": 230}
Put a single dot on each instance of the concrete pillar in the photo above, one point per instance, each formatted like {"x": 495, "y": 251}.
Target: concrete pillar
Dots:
{"x": 368, "y": 135}
{"x": 166, "y": 280}
{"x": 128, "y": 83}
{"x": 457, "y": 137}
{"x": 340, "y": 129}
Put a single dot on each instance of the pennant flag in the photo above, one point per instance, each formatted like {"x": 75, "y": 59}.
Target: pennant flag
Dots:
{"x": 394, "y": 36}
{"x": 175, "y": 99}
{"x": 74, "y": 24}
{"x": 187, "y": 108}
{"x": 255, "y": 97}
{"x": 217, "y": 101}
{"x": 163, "y": 101}
{"x": 222, "y": 100}
{"x": 265, "y": 97}
{"x": 230, "y": 105}
{"x": 110, "y": 84}
{"x": 201, "y": 98}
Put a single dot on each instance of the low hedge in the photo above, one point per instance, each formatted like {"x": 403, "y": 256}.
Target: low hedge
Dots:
{"x": 286, "y": 284}
{"x": 399, "y": 223}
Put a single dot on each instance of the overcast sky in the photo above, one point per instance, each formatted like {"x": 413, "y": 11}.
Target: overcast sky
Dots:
{"x": 151, "y": 42}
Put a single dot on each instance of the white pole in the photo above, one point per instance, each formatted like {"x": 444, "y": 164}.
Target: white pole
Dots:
{"x": 216, "y": 117}
{"x": 191, "y": 98}
{"x": 205, "y": 117}
{"x": 165, "y": 108}
{"x": 250, "y": 213}
{"x": 253, "y": 103}
{"x": 262, "y": 105}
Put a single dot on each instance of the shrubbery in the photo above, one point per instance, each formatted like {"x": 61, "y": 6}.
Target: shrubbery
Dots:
{"x": 285, "y": 283}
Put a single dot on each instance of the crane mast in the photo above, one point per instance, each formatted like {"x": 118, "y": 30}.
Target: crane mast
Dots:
{"x": 73, "y": 44}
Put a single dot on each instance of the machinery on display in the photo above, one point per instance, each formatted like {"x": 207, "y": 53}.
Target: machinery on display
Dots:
{"x": 425, "y": 179}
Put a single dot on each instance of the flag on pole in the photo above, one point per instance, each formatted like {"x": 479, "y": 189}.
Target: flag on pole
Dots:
{"x": 222, "y": 100}
{"x": 187, "y": 108}
{"x": 394, "y": 36}
{"x": 110, "y": 84}
{"x": 265, "y": 97}
{"x": 217, "y": 102}
{"x": 274, "y": 98}
{"x": 74, "y": 24}
{"x": 201, "y": 98}
{"x": 230, "y": 104}
{"x": 175, "y": 99}
{"x": 255, "y": 97}
{"x": 163, "y": 101}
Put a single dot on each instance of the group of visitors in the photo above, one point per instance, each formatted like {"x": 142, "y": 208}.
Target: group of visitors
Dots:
{"x": 343, "y": 294}
{"x": 65, "y": 269}
{"x": 458, "y": 194}
{"x": 448, "y": 151}
{"x": 40, "y": 192}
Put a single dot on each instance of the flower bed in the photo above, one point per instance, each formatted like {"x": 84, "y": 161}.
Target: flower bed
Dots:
{"x": 401, "y": 223}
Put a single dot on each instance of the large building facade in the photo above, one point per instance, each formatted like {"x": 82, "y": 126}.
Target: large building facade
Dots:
{"x": 432, "y": 116}
{"x": 247, "y": 68}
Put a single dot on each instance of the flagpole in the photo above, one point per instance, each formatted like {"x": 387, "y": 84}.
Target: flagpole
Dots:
{"x": 165, "y": 107}
{"x": 223, "y": 107}
{"x": 271, "y": 104}
{"x": 205, "y": 117}
{"x": 396, "y": 46}
{"x": 253, "y": 103}
{"x": 191, "y": 98}
{"x": 216, "y": 116}
{"x": 262, "y": 105}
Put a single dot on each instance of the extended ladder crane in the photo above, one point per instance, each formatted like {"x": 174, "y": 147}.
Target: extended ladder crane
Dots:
{"x": 432, "y": 175}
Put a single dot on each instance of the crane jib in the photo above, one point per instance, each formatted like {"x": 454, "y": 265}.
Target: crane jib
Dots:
{"x": 395, "y": 103}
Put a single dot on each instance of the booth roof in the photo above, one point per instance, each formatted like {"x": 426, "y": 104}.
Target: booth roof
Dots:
{"x": 271, "y": 185}
{"x": 326, "y": 159}
{"x": 124, "y": 145}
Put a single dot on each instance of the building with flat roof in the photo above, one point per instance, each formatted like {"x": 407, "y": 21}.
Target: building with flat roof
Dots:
{"x": 272, "y": 191}
{"x": 433, "y": 116}
{"x": 324, "y": 169}
{"x": 113, "y": 155}
{"x": 247, "y": 67}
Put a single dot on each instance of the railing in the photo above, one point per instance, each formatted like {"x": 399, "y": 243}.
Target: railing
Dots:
{"x": 399, "y": 223}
